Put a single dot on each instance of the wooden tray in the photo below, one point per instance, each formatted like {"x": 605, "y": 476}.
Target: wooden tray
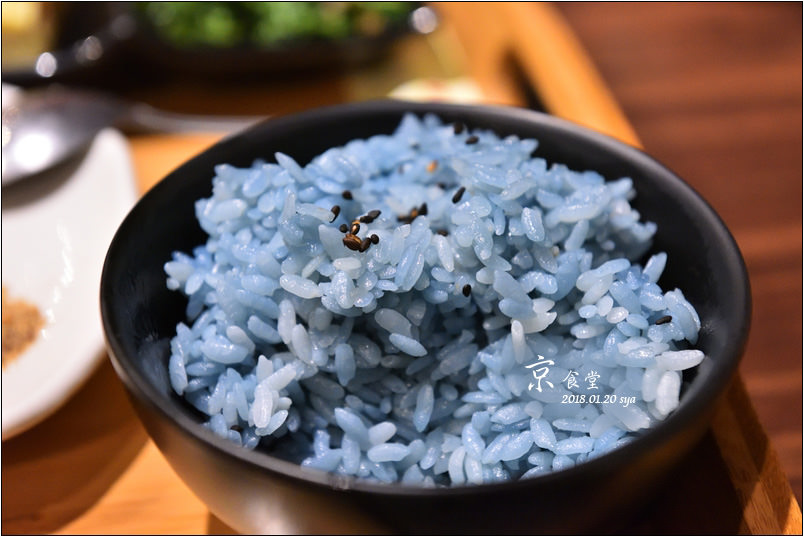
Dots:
{"x": 91, "y": 469}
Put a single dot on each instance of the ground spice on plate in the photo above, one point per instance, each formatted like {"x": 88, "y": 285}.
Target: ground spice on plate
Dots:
{"x": 21, "y": 324}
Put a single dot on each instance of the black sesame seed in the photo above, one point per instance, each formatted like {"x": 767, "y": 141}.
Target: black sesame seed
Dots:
{"x": 336, "y": 210}
{"x": 365, "y": 244}
{"x": 442, "y": 232}
{"x": 472, "y": 140}
{"x": 467, "y": 290}
{"x": 458, "y": 194}
{"x": 423, "y": 209}
{"x": 664, "y": 320}
{"x": 441, "y": 185}
{"x": 410, "y": 217}
{"x": 347, "y": 194}
{"x": 458, "y": 127}
{"x": 369, "y": 217}
{"x": 374, "y": 239}
{"x": 352, "y": 242}
{"x": 344, "y": 228}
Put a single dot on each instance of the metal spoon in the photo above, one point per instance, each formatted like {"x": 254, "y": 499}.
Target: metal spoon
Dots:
{"x": 44, "y": 128}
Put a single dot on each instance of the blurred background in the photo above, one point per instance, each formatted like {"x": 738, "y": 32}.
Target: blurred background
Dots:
{"x": 712, "y": 90}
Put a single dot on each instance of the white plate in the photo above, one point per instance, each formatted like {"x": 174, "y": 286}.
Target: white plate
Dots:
{"x": 56, "y": 230}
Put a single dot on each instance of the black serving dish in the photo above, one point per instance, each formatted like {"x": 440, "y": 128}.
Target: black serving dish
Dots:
{"x": 114, "y": 45}
{"x": 246, "y": 489}
{"x": 248, "y": 59}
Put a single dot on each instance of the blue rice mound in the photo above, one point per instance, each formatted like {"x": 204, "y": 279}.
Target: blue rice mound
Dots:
{"x": 496, "y": 327}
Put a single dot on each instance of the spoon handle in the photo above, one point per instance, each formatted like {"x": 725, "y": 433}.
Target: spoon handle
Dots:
{"x": 142, "y": 118}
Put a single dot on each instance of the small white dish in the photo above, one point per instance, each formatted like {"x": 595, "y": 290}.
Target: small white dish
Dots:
{"x": 56, "y": 229}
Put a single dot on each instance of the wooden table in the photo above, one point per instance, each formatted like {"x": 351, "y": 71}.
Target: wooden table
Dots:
{"x": 90, "y": 468}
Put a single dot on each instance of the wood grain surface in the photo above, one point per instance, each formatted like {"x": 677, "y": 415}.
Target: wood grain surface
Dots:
{"x": 761, "y": 483}
{"x": 715, "y": 92}
{"x": 712, "y": 90}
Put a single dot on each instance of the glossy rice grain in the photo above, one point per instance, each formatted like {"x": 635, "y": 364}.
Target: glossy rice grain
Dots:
{"x": 375, "y": 315}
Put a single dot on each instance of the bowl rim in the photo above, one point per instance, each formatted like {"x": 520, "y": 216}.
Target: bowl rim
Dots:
{"x": 694, "y": 405}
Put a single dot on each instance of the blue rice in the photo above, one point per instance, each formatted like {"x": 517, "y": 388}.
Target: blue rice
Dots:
{"x": 498, "y": 328}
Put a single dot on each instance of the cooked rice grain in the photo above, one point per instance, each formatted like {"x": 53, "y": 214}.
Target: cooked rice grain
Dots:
{"x": 488, "y": 323}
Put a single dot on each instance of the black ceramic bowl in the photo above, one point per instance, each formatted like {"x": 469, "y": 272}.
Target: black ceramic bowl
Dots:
{"x": 254, "y": 492}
